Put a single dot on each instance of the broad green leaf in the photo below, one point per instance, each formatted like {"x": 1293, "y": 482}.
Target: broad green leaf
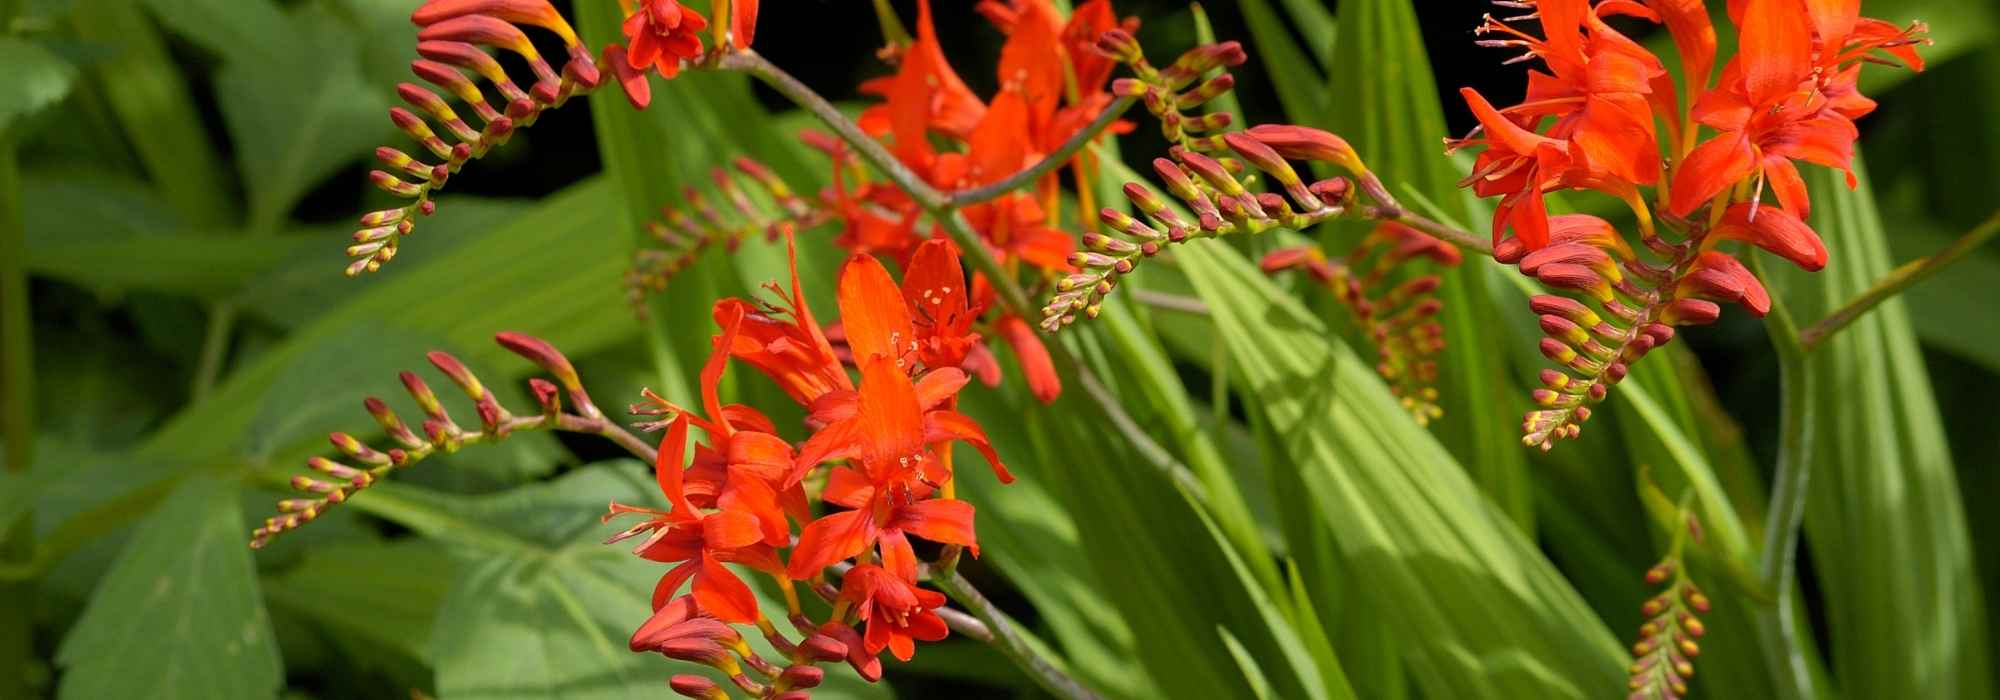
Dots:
{"x": 77, "y": 207}
{"x": 551, "y": 272}
{"x": 385, "y": 596}
{"x": 179, "y": 615}
{"x": 1167, "y": 398}
{"x": 1177, "y": 578}
{"x": 1481, "y": 613}
{"x": 544, "y": 609}
{"x": 152, "y": 101}
{"x": 206, "y": 269}
{"x": 1027, "y": 536}
{"x": 1290, "y": 71}
{"x": 1884, "y": 516}
{"x": 299, "y": 114}
{"x": 35, "y": 80}
{"x": 238, "y": 30}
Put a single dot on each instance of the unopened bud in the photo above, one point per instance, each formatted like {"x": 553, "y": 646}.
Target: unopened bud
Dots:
{"x": 802, "y": 677}
{"x": 1119, "y": 45}
{"x": 694, "y": 686}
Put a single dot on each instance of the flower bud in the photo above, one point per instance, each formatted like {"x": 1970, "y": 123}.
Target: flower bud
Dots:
{"x": 802, "y": 677}
{"x": 694, "y": 686}
{"x": 469, "y": 57}
{"x": 393, "y": 185}
{"x": 1119, "y": 45}
{"x": 1307, "y": 143}
{"x": 1691, "y": 312}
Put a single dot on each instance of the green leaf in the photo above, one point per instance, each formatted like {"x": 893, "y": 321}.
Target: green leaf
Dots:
{"x": 239, "y": 30}
{"x": 1480, "y": 612}
{"x": 35, "y": 80}
{"x": 544, "y": 610}
{"x": 461, "y": 300}
{"x": 179, "y": 615}
{"x": 1286, "y": 63}
{"x": 148, "y": 96}
{"x": 1884, "y": 515}
{"x": 385, "y": 596}
{"x": 299, "y": 114}
{"x": 1391, "y": 115}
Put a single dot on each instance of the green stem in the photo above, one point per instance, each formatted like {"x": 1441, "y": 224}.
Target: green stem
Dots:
{"x": 1008, "y": 638}
{"x": 17, "y": 418}
{"x": 1896, "y": 281}
{"x": 1777, "y": 565}
{"x": 1048, "y": 163}
{"x": 1449, "y": 234}
{"x": 214, "y": 348}
{"x": 17, "y": 345}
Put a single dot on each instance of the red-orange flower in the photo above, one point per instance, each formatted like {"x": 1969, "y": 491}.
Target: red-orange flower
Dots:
{"x": 941, "y": 312}
{"x": 1785, "y": 98}
{"x": 743, "y": 22}
{"x": 700, "y": 542}
{"x": 891, "y": 422}
{"x": 1597, "y": 88}
{"x": 924, "y": 95}
{"x": 785, "y": 342}
{"x": 883, "y": 512}
{"x": 896, "y": 611}
{"x": 661, "y": 34}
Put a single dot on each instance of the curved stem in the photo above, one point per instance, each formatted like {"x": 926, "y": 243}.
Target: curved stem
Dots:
{"x": 1896, "y": 282}
{"x": 870, "y": 150}
{"x": 1449, "y": 234}
{"x": 1009, "y": 639}
{"x": 1048, "y": 163}
{"x": 1777, "y": 565}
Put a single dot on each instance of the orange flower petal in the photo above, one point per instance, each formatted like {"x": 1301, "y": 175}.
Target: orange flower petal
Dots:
{"x": 873, "y": 312}
{"x": 830, "y": 539}
{"x": 889, "y": 421}
{"x": 940, "y": 520}
{"x": 1036, "y": 365}
{"x": 1710, "y": 168}
{"x": 721, "y": 594}
{"x": 947, "y": 426}
{"x": 1775, "y": 48}
{"x": 668, "y": 468}
{"x": 730, "y": 529}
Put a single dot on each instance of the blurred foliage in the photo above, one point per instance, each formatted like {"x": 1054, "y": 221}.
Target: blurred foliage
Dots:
{"x": 176, "y": 177}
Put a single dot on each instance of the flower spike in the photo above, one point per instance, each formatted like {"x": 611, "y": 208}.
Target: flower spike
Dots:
{"x": 336, "y": 482}
{"x": 1396, "y": 313}
{"x": 451, "y": 39}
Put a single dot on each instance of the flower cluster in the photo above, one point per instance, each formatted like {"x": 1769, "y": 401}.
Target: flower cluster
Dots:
{"x": 438, "y": 432}
{"x": 880, "y": 448}
{"x": 1052, "y": 86}
{"x": 1663, "y": 658}
{"x": 1397, "y": 313}
{"x": 454, "y": 39}
{"x": 1596, "y": 119}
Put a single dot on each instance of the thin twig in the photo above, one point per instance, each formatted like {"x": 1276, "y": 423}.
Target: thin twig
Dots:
{"x": 1009, "y": 640}
{"x": 1048, "y": 163}
{"x": 214, "y": 348}
{"x": 870, "y": 150}
{"x": 1167, "y": 301}
{"x": 17, "y": 413}
{"x": 959, "y": 621}
{"x": 1444, "y": 232}
{"x": 1896, "y": 282}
